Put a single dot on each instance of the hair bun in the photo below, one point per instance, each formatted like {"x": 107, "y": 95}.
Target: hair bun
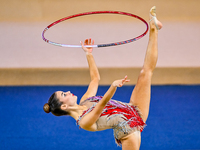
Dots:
{"x": 46, "y": 108}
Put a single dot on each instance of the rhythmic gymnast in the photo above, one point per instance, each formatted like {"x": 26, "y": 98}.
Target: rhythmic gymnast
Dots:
{"x": 95, "y": 113}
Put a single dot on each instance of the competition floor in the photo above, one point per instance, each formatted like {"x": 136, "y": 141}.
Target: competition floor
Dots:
{"x": 173, "y": 122}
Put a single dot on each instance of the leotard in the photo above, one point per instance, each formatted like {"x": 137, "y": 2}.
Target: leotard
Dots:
{"x": 122, "y": 117}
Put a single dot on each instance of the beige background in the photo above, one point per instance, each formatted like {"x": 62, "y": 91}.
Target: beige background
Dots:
{"x": 25, "y": 56}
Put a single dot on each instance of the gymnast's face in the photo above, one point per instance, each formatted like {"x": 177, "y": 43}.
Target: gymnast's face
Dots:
{"x": 67, "y": 98}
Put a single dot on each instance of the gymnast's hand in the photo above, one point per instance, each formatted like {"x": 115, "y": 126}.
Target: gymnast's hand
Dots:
{"x": 87, "y": 42}
{"x": 120, "y": 83}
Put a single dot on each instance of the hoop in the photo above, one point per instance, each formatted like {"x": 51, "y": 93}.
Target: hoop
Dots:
{"x": 99, "y": 45}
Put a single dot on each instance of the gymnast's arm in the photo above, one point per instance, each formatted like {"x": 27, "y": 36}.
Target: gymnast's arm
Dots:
{"x": 90, "y": 119}
{"x": 94, "y": 73}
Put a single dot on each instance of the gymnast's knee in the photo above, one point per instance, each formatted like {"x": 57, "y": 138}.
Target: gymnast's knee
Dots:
{"x": 145, "y": 72}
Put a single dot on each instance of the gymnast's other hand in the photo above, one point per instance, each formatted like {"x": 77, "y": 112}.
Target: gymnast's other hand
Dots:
{"x": 120, "y": 83}
{"x": 86, "y": 43}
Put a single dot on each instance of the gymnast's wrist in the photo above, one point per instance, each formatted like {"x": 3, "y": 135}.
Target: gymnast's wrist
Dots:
{"x": 114, "y": 84}
{"x": 88, "y": 53}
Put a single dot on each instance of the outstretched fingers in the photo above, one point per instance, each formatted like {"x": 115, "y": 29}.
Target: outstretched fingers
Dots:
{"x": 120, "y": 83}
{"x": 124, "y": 81}
{"x": 87, "y": 42}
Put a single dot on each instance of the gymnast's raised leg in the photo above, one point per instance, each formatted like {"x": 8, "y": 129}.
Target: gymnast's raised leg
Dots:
{"x": 141, "y": 94}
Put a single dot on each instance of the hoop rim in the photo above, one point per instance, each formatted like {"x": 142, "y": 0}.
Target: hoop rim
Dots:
{"x": 99, "y": 45}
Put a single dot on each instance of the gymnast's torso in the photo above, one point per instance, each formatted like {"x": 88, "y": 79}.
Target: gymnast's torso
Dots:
{"x": 122, "y": 117}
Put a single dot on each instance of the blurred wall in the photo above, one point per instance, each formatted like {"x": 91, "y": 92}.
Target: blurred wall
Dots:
{"x": 23, "y": 50}
{"x": 48, "y": 10}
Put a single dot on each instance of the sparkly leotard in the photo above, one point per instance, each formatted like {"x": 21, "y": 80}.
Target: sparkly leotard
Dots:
{"x": 123, "y": 118}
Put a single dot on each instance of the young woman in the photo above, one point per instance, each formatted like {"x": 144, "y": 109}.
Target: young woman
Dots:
{"x": 95, "y": 113}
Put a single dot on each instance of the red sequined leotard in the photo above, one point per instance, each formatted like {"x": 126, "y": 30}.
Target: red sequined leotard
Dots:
{"x": 123, "y": 118}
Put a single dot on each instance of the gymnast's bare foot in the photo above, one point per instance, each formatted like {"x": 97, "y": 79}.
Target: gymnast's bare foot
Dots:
{"x": 153, "y": 20}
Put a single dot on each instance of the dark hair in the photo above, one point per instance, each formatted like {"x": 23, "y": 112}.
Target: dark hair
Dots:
{"x": 54, "y": 105}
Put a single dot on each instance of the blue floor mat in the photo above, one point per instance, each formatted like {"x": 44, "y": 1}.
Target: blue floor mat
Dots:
{"x": 173, "y": 123}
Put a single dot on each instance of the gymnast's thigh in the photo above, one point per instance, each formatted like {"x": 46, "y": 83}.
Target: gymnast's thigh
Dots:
{"x": 131, "y": 141}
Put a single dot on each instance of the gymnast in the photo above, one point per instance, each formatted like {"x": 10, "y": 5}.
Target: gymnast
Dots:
{"x": 95, "y": 113}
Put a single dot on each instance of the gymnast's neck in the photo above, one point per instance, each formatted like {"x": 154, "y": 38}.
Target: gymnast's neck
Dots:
{"x": 76, "y": 111}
